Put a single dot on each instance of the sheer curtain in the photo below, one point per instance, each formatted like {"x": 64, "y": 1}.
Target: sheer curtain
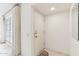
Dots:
{"x": 1, "y": 30}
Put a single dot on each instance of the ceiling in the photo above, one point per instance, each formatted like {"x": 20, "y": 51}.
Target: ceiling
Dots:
{"x": 4, "y": 7}
{"x": 44, "y": 8}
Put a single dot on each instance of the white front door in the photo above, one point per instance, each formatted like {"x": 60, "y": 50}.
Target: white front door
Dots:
{"x": 38, "y": 32}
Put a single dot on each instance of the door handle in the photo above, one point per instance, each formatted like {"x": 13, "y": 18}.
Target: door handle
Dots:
{"x": 35, "y": 35}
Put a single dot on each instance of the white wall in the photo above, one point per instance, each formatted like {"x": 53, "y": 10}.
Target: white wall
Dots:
{"x": 4, "y": 7}
{"x": 26, "y": 44}
{"x": 57, "y": 32}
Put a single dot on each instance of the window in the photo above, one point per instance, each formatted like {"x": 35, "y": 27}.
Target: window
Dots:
{"x": 8, "y": 29}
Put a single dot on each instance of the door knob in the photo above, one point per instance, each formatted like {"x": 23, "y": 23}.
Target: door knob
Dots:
{"x": 35, "y": 35}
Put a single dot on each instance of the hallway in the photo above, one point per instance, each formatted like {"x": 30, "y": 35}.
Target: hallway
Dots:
{"x": 30, "y": 28}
